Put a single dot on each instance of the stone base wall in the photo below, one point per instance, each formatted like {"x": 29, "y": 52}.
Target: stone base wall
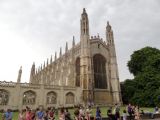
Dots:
{"x": 15, "y": 95}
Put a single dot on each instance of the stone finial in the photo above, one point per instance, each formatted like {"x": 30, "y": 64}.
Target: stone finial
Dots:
{"x": 84, "y": 10}
{"x": 39, "y": 69}
{"x": 73, "y": 42}
{"x": 51, "y": 59}
{"x": 66, "y": 47}
{"x": 36, "y": 71}
{"x": 32, "y": 73}
{"x": 47, "y": 62}
{"x": 19, "y": 75}
{"x": 98, "y": 35}
{"x": 55, "y": 57}
{"x": 108, "y": 28}
{"x": 60, "y": 53}
{"x": 44, "y": 65}
{"x": 41, "y": 66}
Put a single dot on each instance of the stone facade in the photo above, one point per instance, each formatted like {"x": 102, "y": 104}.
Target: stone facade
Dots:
{"x": 86, "y": 73}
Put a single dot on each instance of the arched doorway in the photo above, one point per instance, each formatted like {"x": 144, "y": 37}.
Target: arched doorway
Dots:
{"x": 69, "y": 98}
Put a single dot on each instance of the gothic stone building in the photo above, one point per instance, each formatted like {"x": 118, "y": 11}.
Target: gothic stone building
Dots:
{"x": 86, "y": 73}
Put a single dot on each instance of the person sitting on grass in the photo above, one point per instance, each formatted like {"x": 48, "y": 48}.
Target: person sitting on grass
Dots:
{"x": 3, "y": 115}
{"x": 76, "y": 115}
{"x": 51, "y": 115}
{"x": 62, "y": 114}
{"x": 156, "y": 110}
{"x": 8, "y": 115}
{"x": 109, "y": 114}
{"x": 21, "y": 115}
{"x": 88, "y": 113}
{"x": 67, "y": 114}
{"x": 124, "y": 115}
{"x": 40, "y": 114}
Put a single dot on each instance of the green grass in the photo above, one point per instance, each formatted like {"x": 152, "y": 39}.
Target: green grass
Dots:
{"x": 103, "y": 112}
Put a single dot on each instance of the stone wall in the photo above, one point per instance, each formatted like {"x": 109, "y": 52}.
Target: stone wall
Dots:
{"x": 20, "y": 95}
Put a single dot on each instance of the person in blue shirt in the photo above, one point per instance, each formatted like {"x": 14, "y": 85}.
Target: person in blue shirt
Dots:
{"x": 98, "y": 114}
{"x": 40, "y": 114}
{"x": 8, "y": 115}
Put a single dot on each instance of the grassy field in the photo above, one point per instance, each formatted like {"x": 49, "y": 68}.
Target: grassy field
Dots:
{"x": 103, "y": 112}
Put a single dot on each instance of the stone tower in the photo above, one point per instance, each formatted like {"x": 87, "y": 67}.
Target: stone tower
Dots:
{"x": 114, "y": 77}
{"x": 85, "y": 57}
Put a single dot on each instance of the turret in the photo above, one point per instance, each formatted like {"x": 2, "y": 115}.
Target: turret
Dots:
{"x": 55, "y": 57}
{"x": 60, "y": 52}
{"x": 109, "y": 34}
{"x": 114, "y": 76}
{"x": 19, "y": 75}
{"x": 85, "y": 58}
{"x": 73, "y": 42}
{"x": 84, "y": 23}
{"x": 66, "y": 49}
{"x": 51, "y": 59}
{"x": 32, "y": 74}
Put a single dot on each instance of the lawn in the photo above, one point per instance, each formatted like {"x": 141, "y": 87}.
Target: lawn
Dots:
{"x": 103, "y": 112}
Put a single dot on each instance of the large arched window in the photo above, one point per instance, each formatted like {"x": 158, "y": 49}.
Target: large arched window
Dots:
{"x": 100, "y": 79}
{"x": 4, "y": 97}
{"x": 51, "y": 98}
{"x": 69, "y": 98}
{"x": 77, "y": 72}
{"x": 29, "y": 98}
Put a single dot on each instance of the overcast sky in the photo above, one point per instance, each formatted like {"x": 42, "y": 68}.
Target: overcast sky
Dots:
{"x": 32, "y": 30}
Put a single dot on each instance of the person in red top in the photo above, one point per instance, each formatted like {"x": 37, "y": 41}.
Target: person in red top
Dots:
{"x": 28, "y": 115}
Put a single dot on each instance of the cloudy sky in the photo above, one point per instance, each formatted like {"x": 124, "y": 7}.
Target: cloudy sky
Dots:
{"x": 32, "y": 30}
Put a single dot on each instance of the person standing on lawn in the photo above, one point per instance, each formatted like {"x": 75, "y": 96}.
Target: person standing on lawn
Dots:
{"x": 130, "y": 111}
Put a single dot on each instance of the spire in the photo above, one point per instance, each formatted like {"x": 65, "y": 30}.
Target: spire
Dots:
{"x": 73, "y": 42}
{"x": 60, "y": 53}
{"x": 84, "y": 23}
{"x": 19, "y": 75}
{"x": 51, "y": 59}
{"x": 66, "y": 47}
{"x": 55, "y": 57}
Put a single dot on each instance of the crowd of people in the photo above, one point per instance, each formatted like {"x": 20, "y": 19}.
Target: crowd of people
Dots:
{"x": 80, "y": 113}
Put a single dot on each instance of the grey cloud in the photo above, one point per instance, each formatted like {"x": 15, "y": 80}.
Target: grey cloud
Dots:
{"x": 47, "y": 25}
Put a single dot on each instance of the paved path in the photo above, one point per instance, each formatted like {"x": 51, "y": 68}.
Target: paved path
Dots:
{"x": 152, "y": 119}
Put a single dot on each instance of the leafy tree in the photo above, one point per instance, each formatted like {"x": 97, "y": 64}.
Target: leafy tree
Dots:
{"x": 144, "y": 89}
{"x": 142, "y": 58}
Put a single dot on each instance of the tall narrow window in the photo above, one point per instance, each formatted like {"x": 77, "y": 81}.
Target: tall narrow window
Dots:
{"x": 4, "y": 97}
{"x": 100, "y": 78}
{"x": 78, "y": 72}
{"x": 29, "y": 98}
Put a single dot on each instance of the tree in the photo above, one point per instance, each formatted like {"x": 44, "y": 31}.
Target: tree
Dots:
{"x": 144, "y": 89}
{"x": 142, "y": 58}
